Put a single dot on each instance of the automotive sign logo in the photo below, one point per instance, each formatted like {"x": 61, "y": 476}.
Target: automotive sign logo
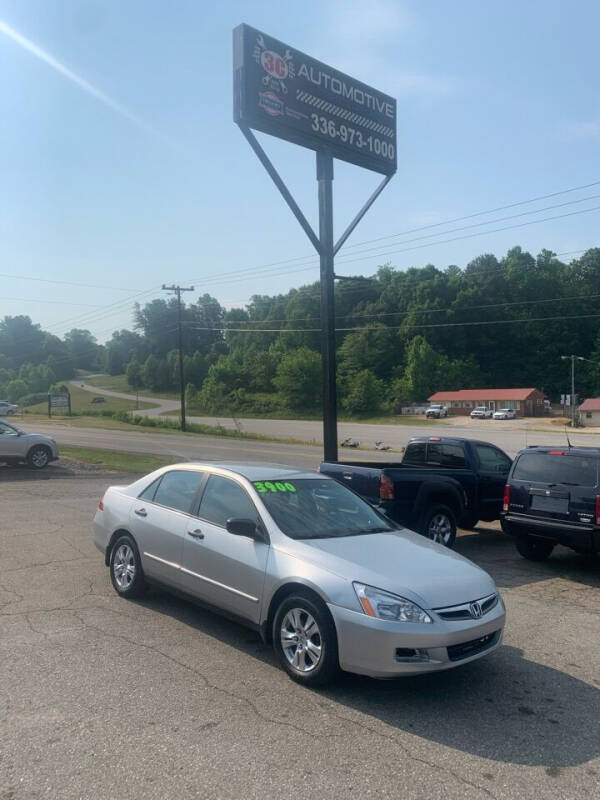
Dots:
{"x": 475, "y": 609}
{"x": 271, "y": 103}
{"x": 277, "y": 68}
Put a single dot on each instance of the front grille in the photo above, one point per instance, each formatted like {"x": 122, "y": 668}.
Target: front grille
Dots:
{"x": 464, "y": 611}
{"x": 457, "y": 652}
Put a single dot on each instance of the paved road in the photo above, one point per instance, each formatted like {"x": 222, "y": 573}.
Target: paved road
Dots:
{"x": 510, "y": 435}
{"x": 104, "y": 698}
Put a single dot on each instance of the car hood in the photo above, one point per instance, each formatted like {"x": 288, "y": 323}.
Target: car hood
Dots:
{"x": 404, "y": 563}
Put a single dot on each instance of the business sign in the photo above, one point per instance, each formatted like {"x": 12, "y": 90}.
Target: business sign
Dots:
{"x": 286, "y": 93}
{"x": 59, "y": 400}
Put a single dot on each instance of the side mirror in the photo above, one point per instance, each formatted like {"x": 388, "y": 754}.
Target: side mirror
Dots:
{"x": 243, "y": 527}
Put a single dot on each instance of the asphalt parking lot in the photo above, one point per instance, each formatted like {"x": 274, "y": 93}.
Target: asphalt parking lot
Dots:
{"x": 104, "y": 698}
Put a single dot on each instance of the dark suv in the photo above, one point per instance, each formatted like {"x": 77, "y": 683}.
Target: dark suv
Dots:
{"x": 552, "y": 497}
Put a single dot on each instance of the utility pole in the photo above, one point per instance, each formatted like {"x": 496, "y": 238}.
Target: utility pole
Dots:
{"x": 177, "y": 290}
{"x": 566, "y": 358}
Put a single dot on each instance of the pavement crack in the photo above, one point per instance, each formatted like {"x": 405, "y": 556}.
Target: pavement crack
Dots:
{"x": 209, "y": 684}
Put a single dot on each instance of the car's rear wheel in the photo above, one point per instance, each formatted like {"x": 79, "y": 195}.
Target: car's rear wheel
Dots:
{"x": 533, "y": 549}
{"x": 439, "y": 525}
{"x": 126, "y": 572}
{"x": 39, "y": 456}
{"x": 305, "y": 640}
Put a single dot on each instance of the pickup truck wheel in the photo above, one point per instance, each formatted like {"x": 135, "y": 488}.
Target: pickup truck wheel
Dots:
{"x": 439, "y": 525}
{"x": 533, "y": 549}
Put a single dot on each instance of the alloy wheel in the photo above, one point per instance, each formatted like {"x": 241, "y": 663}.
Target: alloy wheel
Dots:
{"x": 301, "y": 640}
{"x": 440, "y": 529}
{"x": 124, "y": 567}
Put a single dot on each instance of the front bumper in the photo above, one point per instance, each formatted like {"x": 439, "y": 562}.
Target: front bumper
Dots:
{"x": 369, "y": 646}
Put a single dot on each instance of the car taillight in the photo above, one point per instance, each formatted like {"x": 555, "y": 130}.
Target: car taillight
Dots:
{"x": 506, "y": 498}
{"x": 598, "y": 509}
{"x": 386, "y": 488}
{"x": 101, "y": 505}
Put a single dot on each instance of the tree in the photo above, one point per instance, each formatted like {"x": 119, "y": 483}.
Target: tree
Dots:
{"x": 364, "y": 393}
{"x": 83, "y": 348}
{"x": 133, "y": 374}
{"x": 298, "y": 379}
{"x": 15, "y": 390}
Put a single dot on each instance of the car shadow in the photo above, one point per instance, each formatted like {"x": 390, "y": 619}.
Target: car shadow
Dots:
{"x": 21, "y": 472}
{"x": 495, "y": 552}
{"x": 505, "y": 708}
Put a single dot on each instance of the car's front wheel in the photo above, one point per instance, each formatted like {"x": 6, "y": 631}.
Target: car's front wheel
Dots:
{"x": 305, "y": 640}
{"x": 439, "y": 525}
{"x": 126, "y": 572}
{"x": 533, "y": 549}
{"x": 39, "y": 456}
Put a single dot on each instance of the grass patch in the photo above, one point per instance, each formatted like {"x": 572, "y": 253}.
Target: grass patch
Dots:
{"x": 113, "y": 460}
{"x": 143, "y": 424}
{"x": 81, "y": 402}
{"x": 118, "y": 383}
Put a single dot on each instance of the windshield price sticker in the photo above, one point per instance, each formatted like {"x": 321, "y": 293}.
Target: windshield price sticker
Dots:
{"x": 269, "y": 486}
{"x": 284, "y": 92}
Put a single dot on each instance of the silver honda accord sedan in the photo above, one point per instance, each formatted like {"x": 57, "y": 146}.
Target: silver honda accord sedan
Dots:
{"x": 320, "y": 573}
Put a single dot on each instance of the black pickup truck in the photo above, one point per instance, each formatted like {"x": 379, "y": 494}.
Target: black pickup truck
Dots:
{"x": 440, "y": 482}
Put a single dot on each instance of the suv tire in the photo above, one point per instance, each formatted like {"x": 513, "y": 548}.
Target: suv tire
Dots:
{"x": 39, "y": 456}
{"x": 533, "y": 549}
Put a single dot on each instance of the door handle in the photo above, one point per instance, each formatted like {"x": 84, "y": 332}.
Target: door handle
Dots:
{"x": 196, "y": 534}
{"x": 141, "y": 512}
{"x": 347, "y": 476}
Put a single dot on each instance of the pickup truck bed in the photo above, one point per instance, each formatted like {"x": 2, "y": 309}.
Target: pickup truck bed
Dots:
{"x": 439, "y": 483}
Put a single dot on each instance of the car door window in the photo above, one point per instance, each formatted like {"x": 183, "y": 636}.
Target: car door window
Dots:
{"x": 178, "y": 489}
{"x": 492, "y": 459}
{"x": 453, "y": 456}
{"x": 224, "y": 499}
{"x": 415, "y": 454}
{"x": 150, "y": 491}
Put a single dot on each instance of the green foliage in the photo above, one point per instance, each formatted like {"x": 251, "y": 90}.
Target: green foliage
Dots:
{"x": 299, "y": 379}
{"x": 364, "y": 393}
{"x": 15, "y": 389}
{"x": 134, "y": 375}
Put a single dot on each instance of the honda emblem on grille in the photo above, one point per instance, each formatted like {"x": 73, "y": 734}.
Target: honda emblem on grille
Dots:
{"x": 475, "y": 609}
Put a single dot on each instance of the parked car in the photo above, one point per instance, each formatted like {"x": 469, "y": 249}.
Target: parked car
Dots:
{"x": 481, "y": 412}
{"x": 505, "y": 413}
{"x": 552, "y": 496}
{"x": 7, "y": 409}
{"x": 439, "y": 483}
{"x": 306, "y": 562}
{"x": 436, "y": 411}
{"x": 34, "y": 449}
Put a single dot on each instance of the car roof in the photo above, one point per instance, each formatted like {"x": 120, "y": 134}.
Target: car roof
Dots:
{"x": 572, "y": 451}
{"x": 450, "y": 440}
{"x": 252, "y": 470}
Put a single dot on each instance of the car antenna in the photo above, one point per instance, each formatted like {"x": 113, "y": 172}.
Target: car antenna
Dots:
{"x": 567, "y": 435}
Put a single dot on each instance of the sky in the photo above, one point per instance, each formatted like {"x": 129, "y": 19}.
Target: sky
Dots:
{"x": 122, "y": 169}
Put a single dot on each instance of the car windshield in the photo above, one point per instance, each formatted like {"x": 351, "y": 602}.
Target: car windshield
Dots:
{"x": 319, "y": 508}
{"x": 568, "y": 470}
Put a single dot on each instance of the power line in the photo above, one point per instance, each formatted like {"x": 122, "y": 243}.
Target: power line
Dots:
{"x": 62, "y": 283}
{"x": 52, "y": 302}
{"x": 403, "y": 327}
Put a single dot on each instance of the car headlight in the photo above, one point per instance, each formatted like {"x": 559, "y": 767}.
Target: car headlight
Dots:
{"x": 377, "y": 603}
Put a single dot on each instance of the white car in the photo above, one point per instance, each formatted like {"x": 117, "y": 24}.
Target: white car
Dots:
{"x": 481, "y": 412}
{"x": 505, "y": 413}
{"x": 436, "y": 411}
{"x": 7, "y": 409}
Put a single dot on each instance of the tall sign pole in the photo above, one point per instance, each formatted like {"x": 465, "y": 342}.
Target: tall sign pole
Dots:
{"x": 177, "y": 290}
{"x": 283, "y": 92}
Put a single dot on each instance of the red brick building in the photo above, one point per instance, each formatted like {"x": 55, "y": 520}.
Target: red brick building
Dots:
{"x": 525, "y": 402}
